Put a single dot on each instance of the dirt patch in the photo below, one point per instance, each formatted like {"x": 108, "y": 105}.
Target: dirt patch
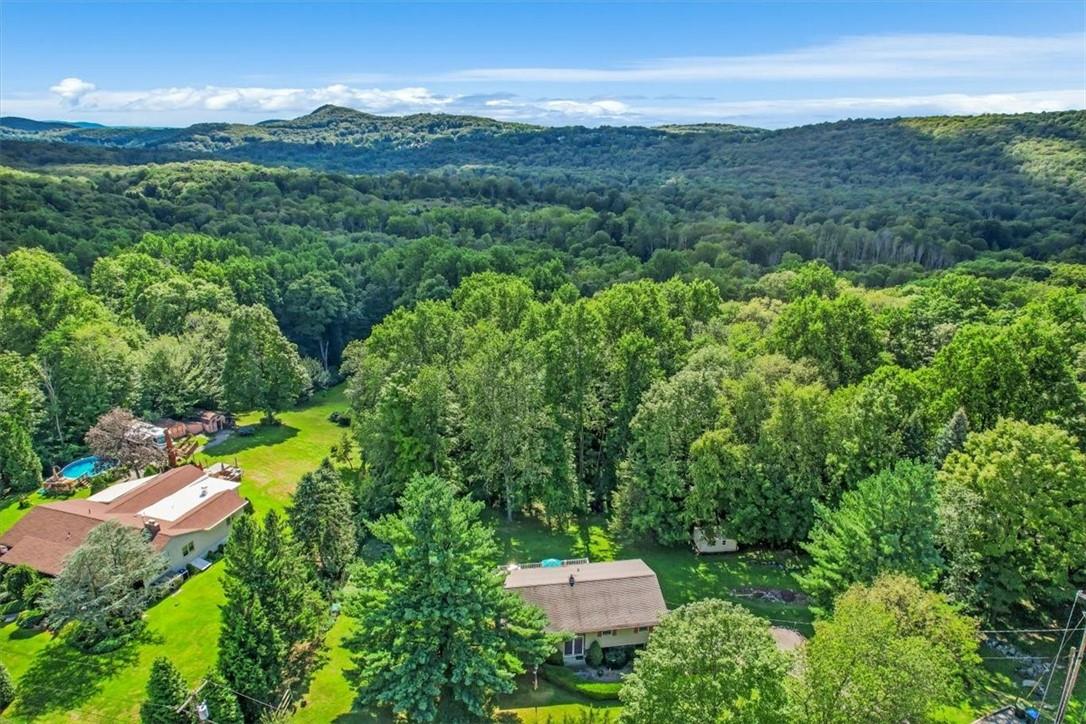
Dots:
{"x": 787, "y": 639}
{"x": 772, "y": 595}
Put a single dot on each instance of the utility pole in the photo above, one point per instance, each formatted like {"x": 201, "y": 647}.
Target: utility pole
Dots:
{"x": 1073, "y": 666}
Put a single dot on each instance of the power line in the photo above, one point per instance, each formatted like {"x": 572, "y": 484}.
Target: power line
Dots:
{"x": 1031, "y": 630}
{"x": 1059, "y": 651}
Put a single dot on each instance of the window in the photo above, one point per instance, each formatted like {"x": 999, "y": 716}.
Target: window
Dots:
{"x": 606, "y": 633}
{"x": 639, "y": 629}
{"x": 574, "y": 647}
{"x": 188, "y": 548}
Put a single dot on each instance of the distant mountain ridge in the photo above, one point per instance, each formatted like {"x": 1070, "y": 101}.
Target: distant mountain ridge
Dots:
{"x": 944, "y": 149}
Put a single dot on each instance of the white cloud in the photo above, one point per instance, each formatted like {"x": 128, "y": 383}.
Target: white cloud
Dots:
{"x": 604, "y": 108}
{"x": 865, "y": 107}
{"x": 782, "y": 113}
{"x": 86, "y": 97}
{"x": 917, "y": 56}
{"x": 71, "y": 89}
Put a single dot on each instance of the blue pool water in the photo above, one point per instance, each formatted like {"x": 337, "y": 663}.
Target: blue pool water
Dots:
{"x": 85, "y": 466}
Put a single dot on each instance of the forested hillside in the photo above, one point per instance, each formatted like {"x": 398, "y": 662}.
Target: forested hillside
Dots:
{"x": 926, "y": 191}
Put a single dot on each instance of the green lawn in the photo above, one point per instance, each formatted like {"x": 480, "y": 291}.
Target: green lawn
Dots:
{"x": 683, "y": 576}
{"x": 59, "y": 684}
{"x": 275, "y": 457}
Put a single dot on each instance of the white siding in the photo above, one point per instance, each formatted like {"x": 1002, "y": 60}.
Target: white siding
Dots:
{"x": 203, "y": 542}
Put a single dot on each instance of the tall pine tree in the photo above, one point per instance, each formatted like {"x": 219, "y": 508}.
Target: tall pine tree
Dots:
{"x": 222, "y": 704}
{"x": 322, "y": 518}
{"x": 272, "y": 616}
{"x": 438, "y": 636}
{"x": 251, "y": 652}
{"x": 7, "y": 688}
{"x": 166, "y": 695}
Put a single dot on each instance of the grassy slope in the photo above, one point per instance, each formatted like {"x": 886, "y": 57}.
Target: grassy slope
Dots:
{"x": 275, "y": 457}
{"x": 57, "y": 683}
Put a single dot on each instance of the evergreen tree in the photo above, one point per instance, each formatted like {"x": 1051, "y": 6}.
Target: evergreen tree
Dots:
{"x": 322, "y": 518}
{"x": 263, "y": 370}
{"x": 252, "y": 654}
{"x": 7, "y": 688}
{"x": 272, "y": 614}
{"x": 438, "y": 636}
{"x": 887, "y": 524}
{"x": 166, "y": 694}
{"x": 952, "y": 437}
{"x": 102, "y": 585}
{"x": 222, "y": 704}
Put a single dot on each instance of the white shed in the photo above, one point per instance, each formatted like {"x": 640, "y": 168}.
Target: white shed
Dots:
{"x": 720, "y": 544}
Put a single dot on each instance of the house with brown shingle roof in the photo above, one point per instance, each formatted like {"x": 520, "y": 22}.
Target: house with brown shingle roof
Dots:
{"x": 616, "y": 603}
{"x": 185, "y": 512}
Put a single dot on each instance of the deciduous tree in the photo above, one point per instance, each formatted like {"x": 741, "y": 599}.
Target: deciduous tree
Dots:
{"x": 116, "y": 436}
{"x": 1011, "y": 510}
{"x": 262, "y": 370}
{"x": 709, "y": 661}
{"x": 890, "y": 652}
{"x": 20, "y": 412}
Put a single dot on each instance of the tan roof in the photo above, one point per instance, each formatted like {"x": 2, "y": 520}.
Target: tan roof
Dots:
{"x": 44, "y": 537}
{"x": 604, "y": 596}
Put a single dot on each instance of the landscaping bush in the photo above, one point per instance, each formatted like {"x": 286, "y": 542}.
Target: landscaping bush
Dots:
{"x": 7, "y": 688}
{"x": 104, "y": 479}
{"x": 616, "y": 657}
{"x": 555, "y": 658}
{"x": 343, "y": 419}
{"x": 594, "y": 657}
{"x": 29, "y": 618}
{"x": 18, "y": 579}
{"x": 566, "y": 679}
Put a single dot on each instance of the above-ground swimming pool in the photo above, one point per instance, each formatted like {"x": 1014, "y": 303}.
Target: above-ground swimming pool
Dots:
{"x": 84, "y": 467}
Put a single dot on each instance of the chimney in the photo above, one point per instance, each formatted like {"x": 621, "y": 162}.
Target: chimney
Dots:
{"x": 572, "y": 580}
{"x": 150, "y": 528}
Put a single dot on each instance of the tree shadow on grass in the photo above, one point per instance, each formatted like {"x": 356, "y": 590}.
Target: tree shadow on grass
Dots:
{"x": 61, "y": 678}
{"x": 265, "y": 436}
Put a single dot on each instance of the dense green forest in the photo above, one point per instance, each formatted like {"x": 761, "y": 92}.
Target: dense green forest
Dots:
{"x": 862, "y": 340}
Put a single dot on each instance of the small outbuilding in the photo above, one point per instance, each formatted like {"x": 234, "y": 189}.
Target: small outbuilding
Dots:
{"x": 719, "y": 544}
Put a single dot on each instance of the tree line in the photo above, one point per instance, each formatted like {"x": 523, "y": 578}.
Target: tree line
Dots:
{"x": 771, "y": 421}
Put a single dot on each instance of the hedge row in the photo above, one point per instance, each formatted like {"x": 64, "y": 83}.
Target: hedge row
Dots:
{"x": 564, "y": 678}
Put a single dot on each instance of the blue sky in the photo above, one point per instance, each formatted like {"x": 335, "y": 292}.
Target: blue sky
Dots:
{"x": 758, "y": 63}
